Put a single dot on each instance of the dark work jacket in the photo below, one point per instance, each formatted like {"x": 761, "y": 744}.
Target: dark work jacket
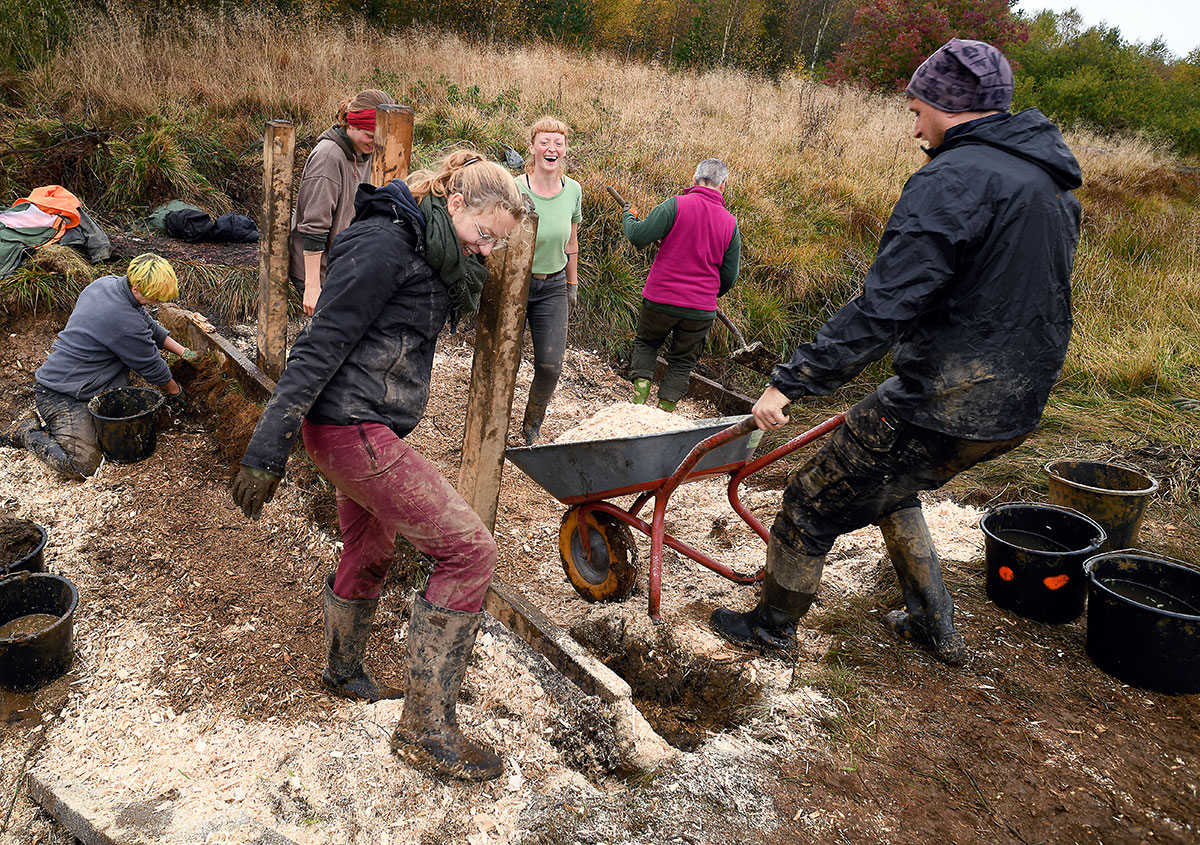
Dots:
{"x": 368, "y": 352}
{"x": 970, "y": 289}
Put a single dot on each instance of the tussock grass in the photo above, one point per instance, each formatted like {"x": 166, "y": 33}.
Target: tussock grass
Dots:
{"x": 51, "y": 280}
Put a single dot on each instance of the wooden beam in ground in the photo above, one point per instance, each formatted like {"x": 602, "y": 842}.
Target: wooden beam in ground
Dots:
{"x": 279, "y": 151}
{"x": 494, "y": 371}
{"x": 393, "y": 144}
{"x": 728, "y": 402}
{"x": 195, "y": 332}
{"x": 489, "y": 406}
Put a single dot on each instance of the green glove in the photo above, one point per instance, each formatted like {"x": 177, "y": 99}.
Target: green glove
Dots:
{"x": 190, "y": 355}
{"x": 253, "y": 488}
{"x": 176, "y": 402}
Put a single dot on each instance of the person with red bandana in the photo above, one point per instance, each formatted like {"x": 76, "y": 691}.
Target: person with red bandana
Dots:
{"x": 325, "y": 199}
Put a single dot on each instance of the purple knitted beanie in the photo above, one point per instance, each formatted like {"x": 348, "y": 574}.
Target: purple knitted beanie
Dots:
{"x": 964, "y": 76}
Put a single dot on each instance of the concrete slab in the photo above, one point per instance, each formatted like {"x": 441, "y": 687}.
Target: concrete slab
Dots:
{"x": 144, "y": 822}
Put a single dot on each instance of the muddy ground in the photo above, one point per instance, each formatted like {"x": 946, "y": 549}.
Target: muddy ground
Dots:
{"x": 199, "y": 628}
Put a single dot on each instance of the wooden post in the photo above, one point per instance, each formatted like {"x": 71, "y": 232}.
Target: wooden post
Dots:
{"x": 494, "y": 371}
{"x": 393, "y": 144}
{"x": 279, "y": 151}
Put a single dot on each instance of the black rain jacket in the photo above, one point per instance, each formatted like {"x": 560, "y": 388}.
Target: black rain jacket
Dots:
{"x": 368, "y": 353}
{"x": 970, "y": 289}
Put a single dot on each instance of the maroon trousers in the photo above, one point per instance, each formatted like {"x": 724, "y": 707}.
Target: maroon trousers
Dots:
{"x": 384, "y": 487}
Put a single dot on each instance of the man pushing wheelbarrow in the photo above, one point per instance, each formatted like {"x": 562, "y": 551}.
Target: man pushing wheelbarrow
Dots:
{"x": 970, "y": 291}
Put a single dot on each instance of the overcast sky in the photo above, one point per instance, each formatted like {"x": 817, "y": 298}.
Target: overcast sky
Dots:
{"x": 1176, "y": 21}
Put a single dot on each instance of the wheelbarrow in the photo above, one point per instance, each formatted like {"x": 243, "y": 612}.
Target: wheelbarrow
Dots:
{"x": 595, "y": 540}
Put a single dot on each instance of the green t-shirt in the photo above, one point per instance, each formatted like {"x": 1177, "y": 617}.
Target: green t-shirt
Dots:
{"x": 555, "y": 216}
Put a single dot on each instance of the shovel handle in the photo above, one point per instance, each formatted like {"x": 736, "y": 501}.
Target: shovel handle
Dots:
{"x": 737, "y": 335}
{"x": 612, "y": 192}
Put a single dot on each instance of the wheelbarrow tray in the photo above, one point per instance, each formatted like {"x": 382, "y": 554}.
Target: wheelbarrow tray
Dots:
{"x": 590, "y": 470}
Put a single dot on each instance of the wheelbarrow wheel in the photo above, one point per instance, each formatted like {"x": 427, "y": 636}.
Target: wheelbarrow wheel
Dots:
{"x": 609, "y": 572}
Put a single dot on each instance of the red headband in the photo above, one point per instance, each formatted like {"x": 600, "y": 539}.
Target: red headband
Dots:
{"x": 362, "y": 119}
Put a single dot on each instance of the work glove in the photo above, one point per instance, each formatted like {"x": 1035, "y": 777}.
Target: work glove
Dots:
{"x": 176, "y": 403}
{"x": 1185, "y": 403}
{"x": 253, "y": 488}
{"x": 190, "y": 355}
{"x": 572, "y": 296}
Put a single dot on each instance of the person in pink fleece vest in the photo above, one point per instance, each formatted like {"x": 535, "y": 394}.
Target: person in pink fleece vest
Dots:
{"x": 698, "y": 260}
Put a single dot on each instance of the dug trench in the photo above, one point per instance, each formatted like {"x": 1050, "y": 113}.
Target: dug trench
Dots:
{"x": 685, "y": 696}
{"x": 192, "y": 615}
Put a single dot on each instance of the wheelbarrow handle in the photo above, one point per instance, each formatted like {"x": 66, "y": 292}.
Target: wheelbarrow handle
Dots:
{"x": 715, "y": 441}
{"x": 612, "y": 192}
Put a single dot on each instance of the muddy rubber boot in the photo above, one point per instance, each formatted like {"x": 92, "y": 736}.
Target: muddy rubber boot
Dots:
{"x": 641, "y": 390}
{"x": 347, "y": 626}
{"x": 535, "y": 413}
{"x": 771, "y": 626}
{"x": 667, "y": 405}
{"x": 439, "y": 645}
{"x": 13, "y": 435}
{"x": 929, "y": 619}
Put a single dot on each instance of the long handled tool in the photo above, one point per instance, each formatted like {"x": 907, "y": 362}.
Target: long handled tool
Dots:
{"x": 753, "y": 355}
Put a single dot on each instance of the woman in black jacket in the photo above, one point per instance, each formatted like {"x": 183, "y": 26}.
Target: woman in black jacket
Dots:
{"x": 356, "y": 383}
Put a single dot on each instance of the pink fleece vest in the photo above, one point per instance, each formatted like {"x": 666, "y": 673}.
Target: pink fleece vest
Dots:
{"x": 687, "y": 270}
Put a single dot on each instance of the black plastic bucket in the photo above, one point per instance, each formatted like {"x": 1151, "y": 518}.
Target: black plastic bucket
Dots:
{"x": 1034, "y": 555}
{"x": 126, "y": 423}
{"x": 19, "y": 549}
{"x": 38, "y": 654}
{"x": 1143, "y": 621}
{"x": 1113, "y": 495}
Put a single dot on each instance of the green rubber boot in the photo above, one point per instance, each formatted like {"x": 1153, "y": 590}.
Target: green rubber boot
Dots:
{"x": 641, "y": 390}
{"x": 667, "y": 405}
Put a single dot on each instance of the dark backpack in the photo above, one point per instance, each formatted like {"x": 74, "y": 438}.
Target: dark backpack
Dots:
{"x": 193, "y": 225}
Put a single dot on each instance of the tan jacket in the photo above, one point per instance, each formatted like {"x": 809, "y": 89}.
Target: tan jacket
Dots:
{"x": 325, "y": 199}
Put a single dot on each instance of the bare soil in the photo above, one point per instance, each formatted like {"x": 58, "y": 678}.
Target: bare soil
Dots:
{"x": 200, "y": 629}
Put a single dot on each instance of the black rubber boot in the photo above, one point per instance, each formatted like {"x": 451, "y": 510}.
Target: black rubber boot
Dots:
{"x": 531, "y": 427}
{"x": 771, "y": 626}
{"x": 929, "y": 619}
{"x": 347, "y": 626}
{"x": 440, "y": 642}
{"x": 15, "y": 433}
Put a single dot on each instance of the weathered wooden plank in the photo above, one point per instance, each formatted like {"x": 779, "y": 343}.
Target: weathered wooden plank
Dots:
{"x": 494, "y": 371}
{"x": 728, "y": 402}
{"x": 195, "y": 332}
{"x": 279, "y": 149}
{"x": 393, "y": 144}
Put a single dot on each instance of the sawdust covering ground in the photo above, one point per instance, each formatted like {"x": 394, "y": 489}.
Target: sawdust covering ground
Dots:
{"x": 325, "y": 774}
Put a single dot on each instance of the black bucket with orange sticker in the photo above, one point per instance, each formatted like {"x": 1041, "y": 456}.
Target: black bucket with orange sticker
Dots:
{"x": 1034, "y": 555}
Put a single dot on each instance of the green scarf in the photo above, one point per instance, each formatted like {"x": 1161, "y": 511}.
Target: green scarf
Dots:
{"x": 461, "y": 274}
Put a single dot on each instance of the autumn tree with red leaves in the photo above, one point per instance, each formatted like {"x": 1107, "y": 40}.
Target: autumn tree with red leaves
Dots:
{"x": 890, "y": 38}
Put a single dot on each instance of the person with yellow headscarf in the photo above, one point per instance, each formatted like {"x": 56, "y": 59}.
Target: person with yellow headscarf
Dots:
{"x": 108, "y": 334}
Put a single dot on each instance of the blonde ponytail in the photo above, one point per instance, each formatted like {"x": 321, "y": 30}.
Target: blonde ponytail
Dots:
{"x": 485, "y": 185}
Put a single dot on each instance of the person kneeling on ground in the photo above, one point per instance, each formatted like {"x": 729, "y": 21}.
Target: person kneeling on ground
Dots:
{"x": 971, "y": 292}
{"x": 697, "y": 262}
{"x": 108, "y": 334}
{"x": 356, "y": 384}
